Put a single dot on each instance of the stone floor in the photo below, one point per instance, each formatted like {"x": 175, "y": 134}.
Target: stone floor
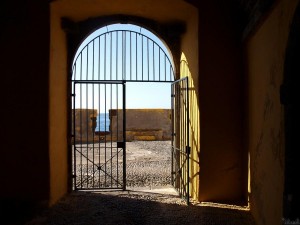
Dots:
{"x": 147, "y": 201}
{"x": 139, "y": 206}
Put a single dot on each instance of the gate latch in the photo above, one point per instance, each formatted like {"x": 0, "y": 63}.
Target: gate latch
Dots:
{"x": 120, "y": 144}
{"x": 188, "y": 150}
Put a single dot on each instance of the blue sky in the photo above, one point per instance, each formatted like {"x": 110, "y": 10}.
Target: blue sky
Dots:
{"x": 138, "y": 95}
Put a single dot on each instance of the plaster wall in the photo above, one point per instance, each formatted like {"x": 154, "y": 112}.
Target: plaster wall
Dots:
{"x": 222, "y": 177}
{"x": 265, "y": 52}
{"x": 189, "y": 68}
{"x": 161, "y": 11}
{"x": 57, "y": 110}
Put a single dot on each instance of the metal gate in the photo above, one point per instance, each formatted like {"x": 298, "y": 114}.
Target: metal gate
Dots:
{"x": 99, "y": 151}
{"x": 99, "y": 72}
{"x": 180, "y": 137}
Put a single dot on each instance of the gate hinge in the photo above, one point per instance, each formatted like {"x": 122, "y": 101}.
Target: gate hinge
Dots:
{"x": 173, "y": 134}
{"x": 188, "y": 150}
{"x": 72, "y": 135}
{"x": 172, "y": 95}
{"x": 73, "y": 95}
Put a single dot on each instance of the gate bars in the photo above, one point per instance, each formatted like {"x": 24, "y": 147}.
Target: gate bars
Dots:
{"x": 123, "y": 55}
{"x": 180, "y": 137}
{"x": 99, "y": 159}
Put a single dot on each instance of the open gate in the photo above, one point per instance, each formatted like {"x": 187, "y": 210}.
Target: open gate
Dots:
{"x": 99, "y": 159}
{"x": 99, "y": 73}
{"x": 180, "y": 137}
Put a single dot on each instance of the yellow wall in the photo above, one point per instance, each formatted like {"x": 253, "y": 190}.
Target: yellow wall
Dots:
{"x": 57, "y": 110}
{"x": 194, "y": 126}
{"x": 265, "y": 52}
{"x": 161, "y": 11}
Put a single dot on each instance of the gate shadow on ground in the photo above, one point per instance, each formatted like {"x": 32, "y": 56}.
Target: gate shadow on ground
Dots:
{"x": 135, "y": 208}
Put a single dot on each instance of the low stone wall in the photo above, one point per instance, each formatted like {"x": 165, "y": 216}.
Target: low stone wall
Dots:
{"x": 141, "y": 125}
{"x": 85, "y": 124}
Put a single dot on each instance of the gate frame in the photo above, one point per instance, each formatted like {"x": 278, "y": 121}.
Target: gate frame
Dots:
{"x": 123, "y": 83}
{"x": 183, "y": 189}
{"x": 177, "y": 30}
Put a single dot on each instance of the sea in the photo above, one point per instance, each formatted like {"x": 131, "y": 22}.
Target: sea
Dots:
{"x": 102, "y": 122}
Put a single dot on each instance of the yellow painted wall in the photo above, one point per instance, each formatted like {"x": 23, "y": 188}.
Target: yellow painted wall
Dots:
{"x": 161, "y": 11}
{"x": 57, "y": 110}
{"x": 265, "y": 52}
{"x": 189, "y": 68}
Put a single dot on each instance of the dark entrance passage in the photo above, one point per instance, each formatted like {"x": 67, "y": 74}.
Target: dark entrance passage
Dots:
{"x": 101, "y": 70}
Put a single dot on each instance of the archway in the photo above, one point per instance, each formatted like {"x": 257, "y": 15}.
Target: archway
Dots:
{"x": 103, "y": 64}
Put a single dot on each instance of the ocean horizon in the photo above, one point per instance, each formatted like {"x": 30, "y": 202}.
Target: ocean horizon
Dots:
{"x": 103, "y": 122}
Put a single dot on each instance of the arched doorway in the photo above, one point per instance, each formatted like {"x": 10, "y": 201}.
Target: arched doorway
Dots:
{"x": 103, "y": 64}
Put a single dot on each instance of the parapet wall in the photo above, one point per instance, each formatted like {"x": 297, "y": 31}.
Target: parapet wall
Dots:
{"x": 141, "y": 125}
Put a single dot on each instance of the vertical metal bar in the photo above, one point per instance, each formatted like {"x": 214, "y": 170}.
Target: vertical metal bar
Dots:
{"x": 93, "y": 121}
{"x": 99, "y": 65}
{"x": 80, "y": 110}
{"x": 123, "y": 77}
{"x": 87, "y": 121}
{"x": 172, "y": 134}
{"x": 165, "y": 67}
{"x": 111, "y": 153}
{"x": 148, "y": 57}
{"x": 104, "y": 56}
{"x": 117, "y": 44}
{"x": 99, "y": 132}
{"x": 117, "y": 96}
{"x": 74, "y": 133}
{"x": 125, "y": 54}
{"x": 159, "y": 63}
{"x": 124, "y": 136}
{"x": 153, "y": 61}
{"x": 105, "y": 166}
{"x": 170, "y": 72}
{"x": 99, "y": 147}
{"x": 110, "y": 71}
{"x": 142, "y": 57}
{"x": 130, "y": 56}
{"x": 136, "y": 58}
{"x": 188, "y": 139}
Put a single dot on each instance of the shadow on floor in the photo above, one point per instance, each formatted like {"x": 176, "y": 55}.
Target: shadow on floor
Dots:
{"x": 135, "y": 207}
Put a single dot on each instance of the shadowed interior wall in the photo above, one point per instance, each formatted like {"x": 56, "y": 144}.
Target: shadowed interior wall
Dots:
{"x": 24, "y": 62}
{"x": 265, "y": 52}
{"x": 221, "y": 106}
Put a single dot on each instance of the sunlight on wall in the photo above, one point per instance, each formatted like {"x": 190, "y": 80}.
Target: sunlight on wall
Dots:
{"x": 194, "y": 126}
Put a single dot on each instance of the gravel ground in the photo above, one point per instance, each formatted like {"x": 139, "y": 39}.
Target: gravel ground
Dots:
{"x": 148, "y": 164}
{"x": 149, "y": 199}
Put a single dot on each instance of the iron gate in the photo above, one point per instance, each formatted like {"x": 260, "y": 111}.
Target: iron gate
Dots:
{"x": 180, "y": 137}
{"x": 99, "y": 159}
{"x": 99, "y": 72}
